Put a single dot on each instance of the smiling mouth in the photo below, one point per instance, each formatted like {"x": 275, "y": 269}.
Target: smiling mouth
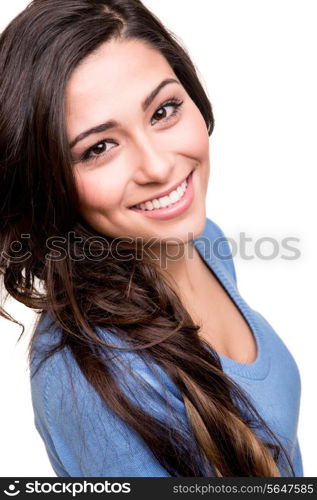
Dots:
{"x": 161, "y": 199}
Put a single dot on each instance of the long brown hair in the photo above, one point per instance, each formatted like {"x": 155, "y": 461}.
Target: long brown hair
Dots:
{"x": 129, "y": 297}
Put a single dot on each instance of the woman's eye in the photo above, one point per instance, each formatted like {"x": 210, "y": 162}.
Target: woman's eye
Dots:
{"x": 164, "y": 113}
{"x": 167, "y": 110}
{"x": 98, "y": 150}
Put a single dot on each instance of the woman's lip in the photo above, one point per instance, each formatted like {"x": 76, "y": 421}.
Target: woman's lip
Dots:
{"x": 164, "y": 193}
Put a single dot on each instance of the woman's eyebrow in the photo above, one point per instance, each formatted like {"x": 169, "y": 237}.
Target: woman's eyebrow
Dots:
{"x": 112, "y": 123}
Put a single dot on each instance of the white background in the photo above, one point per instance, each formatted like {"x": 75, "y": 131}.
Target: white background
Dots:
{"x": 257, "y": 60}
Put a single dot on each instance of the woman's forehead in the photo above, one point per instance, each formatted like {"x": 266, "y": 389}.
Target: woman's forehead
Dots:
{"x": 107, "y": 68}
{"x": 118, "y": 74}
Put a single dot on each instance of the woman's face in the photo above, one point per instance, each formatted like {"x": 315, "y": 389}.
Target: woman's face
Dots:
{"x": 145, "y": 151}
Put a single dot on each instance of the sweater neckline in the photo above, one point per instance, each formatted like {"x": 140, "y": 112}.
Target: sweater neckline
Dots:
{"x": 259, "y": 369}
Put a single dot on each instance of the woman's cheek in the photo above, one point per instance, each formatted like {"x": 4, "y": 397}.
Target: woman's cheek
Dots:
{"x": 95, "y": 190}
{"x": 193, "y": 138}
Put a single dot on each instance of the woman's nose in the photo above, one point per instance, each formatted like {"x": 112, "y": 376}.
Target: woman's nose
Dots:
{"x": 152, "y": 161}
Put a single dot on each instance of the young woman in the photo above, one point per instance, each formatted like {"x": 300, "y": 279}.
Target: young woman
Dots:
{"x": 146, "y": 360}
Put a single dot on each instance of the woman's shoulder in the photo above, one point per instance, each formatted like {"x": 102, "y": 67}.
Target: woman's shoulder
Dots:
{"x": 61, "y": 362}
{"x": 127, "y": 364}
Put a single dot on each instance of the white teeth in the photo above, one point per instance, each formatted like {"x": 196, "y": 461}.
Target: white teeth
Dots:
{"x": 156, "y": 203}
{"x": 149, "y": 205}
{"x": 165, "y": 201}
{"x": 174, "y": 196}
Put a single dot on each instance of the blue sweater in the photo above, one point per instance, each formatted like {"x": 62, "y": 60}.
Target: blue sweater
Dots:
{"x": 83, "y": 437}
